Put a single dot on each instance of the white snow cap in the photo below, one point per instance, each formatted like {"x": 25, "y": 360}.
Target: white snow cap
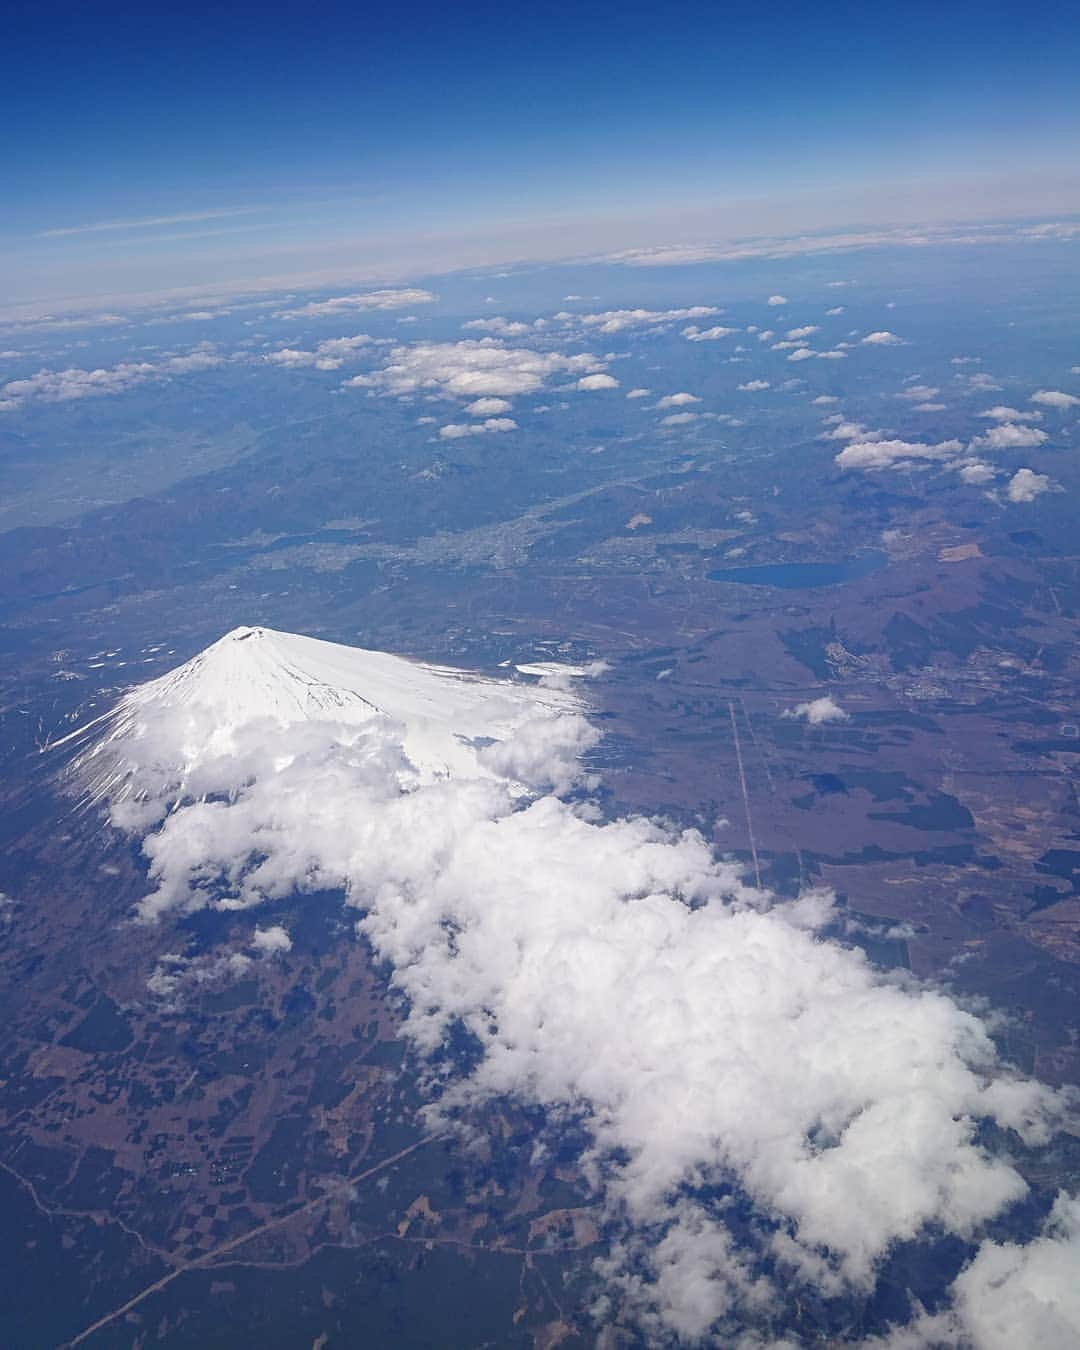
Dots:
{"x": 172, "y": 728}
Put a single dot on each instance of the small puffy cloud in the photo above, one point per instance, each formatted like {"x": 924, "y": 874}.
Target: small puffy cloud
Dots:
{"x": 882, "y": 338}
{"x": 454, "y": 431}
{"x": 400, "y": 298}
{"x": 1009, "y": 436}
{"x": 976, "y": 473}
{"x": 979, "y": 383}
{"x": 488, "y": 407}
{"x": 847, "y": 431}
{"x": 818, "y": 710}
{"x": 679, "y": 419}
{"x": 1000, "y": 413}
{"x": 599, "y": 381}
{"x": 823, "y": 400}
{"x": 874, "y": 455}
{"x": 803, "y": 354}
{"x": 472, "y": 368}
{"x": 292, "y": 357}
{"x": 174, "y": 974}
{"x": 1025, "y": 485}
{"x": 693, "y": 334}
{"x": 271, "y": 941}
{"x": 918, "y": 393}
{"x": 616, "y": 320}
{"x": 1055, "y": 398}
{"x": 499, "y": 326}
{"x": 190, "y": 364}
{"x": 677, "y": 400}
{"x": 806, "y": 331}
{"x": 754, "y": 386}
{"x": 639, "y": 393}
{"x": 836, "y": 309}
{"x": 330, "y": 355}
{"x": 775, "y": 300}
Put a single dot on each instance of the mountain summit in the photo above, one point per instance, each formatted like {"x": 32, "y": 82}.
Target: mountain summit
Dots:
{"x": 170, "y": 727}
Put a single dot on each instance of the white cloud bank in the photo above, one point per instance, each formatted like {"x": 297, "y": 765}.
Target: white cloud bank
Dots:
{"x": 612, "y": 971}
{"x": 889, "y": 454}
{"x": 618, "y": 320}
{"x": 473, "y": 368}
{"x": 66, "y": 386}
{"x": 401, "y": 298}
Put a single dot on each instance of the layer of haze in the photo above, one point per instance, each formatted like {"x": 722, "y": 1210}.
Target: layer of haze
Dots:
{"x": 164, "y": 148}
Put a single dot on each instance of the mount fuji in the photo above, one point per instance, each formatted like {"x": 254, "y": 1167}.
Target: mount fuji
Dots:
{"x": 448, "y": 723}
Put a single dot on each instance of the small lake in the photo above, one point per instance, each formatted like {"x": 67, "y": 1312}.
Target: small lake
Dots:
{"x": 803, "y": 576}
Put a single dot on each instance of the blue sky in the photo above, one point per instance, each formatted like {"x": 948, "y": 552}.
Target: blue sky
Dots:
{"x": 243, "y": 141}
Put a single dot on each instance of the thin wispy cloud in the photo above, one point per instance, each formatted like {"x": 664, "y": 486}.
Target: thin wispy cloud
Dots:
{"x": 149, "y": 222}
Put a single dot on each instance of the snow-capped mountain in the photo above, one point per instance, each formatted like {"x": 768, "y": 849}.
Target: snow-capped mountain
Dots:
{"x": 447, "y": 722}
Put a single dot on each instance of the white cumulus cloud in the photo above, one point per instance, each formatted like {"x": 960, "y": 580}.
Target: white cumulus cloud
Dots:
{"x": 490, "y": 425}
{"x": 873, "y": 455}
{"x": 613, "y": 971}
{"x": 488, "y": 407}
{"x": 329, "y": 355}
{"x": 1007, "y": 436}
{"x": 1000, "y": 413}
{"x": 271, "y": 941}
{"x": 1055, "y": 398}
{"x": 616, "y": 320}
{"x": 714, "y": 334}
{"x": 818, "y": 711}
{"x": 472, "y": 368}
{"x": 66, "y": 386}
{"x": 1025, "y": 485}
{"x": 400, "y": 298}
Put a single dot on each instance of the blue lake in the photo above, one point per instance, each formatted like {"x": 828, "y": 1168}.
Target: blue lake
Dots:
{"x": 803, "y": 576}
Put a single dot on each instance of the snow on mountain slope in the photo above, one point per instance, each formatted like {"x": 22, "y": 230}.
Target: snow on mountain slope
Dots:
{"x": 447, "y": 722}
